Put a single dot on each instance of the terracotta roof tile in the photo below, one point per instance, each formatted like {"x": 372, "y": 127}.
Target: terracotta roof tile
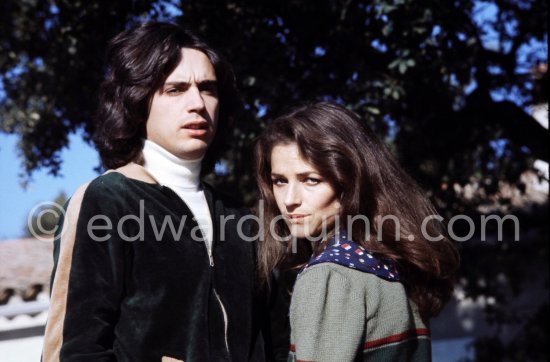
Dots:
{"x": 25, "y": 268}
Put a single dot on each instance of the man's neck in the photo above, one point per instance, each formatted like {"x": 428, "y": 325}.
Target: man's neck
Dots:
{"x": 170, "y": 170}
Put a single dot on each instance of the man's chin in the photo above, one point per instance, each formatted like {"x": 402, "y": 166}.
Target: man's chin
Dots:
{"x": 191, "y": 155}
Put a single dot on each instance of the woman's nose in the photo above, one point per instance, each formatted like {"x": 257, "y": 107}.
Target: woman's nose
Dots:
{"x": 292, "y": 197}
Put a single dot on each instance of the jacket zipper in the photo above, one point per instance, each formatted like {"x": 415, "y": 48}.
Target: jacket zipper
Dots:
{"x": 225, "y": 322}
{"x": 224, "y": 312}
{"x": 209, "y": 251}
{"x": 211, "y": 262}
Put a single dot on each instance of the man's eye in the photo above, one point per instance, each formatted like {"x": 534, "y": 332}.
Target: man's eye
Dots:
{"x": 172, "y": 91}
{"x": 209, "y": 89}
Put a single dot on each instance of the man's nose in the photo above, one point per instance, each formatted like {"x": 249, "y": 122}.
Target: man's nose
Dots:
{"x": 195, "y": 102}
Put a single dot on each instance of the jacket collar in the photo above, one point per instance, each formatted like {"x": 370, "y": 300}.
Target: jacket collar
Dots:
{"x": 135, "y": 171}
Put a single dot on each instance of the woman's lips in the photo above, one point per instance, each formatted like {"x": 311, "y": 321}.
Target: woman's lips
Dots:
{"x": 296, "y": 218}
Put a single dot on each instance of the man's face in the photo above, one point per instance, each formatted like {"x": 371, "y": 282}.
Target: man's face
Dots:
{"x": 184, "y": 112}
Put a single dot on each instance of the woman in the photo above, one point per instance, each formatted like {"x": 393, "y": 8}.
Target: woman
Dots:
{"x": 330, "y": 187}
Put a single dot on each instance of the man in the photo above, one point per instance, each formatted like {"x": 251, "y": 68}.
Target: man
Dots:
{"x": 151, "y": 264}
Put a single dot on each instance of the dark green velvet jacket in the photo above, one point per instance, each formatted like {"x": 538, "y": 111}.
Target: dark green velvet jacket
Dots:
{"x": 129, "y": 290}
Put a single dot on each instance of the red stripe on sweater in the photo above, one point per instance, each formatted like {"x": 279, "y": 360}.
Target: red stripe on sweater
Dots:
{"x": 397, "y": 337}
{"x": 293, "y": 349}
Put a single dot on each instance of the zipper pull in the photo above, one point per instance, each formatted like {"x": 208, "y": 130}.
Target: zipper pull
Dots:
{"x": 210, "y": 257}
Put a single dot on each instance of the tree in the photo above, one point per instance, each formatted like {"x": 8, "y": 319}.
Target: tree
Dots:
{"x": 447, "y": 84}
{"x": 43, "y": 218}
{"x": 51, "y": 64}
{"x": 415, "y": 72}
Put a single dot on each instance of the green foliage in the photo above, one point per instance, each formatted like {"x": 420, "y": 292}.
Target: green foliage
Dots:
{"x": 440, "y": 81}
{"x": 51, "y": 62}
{"x": 42, "y": 221}
{"x": 409, "y": 68}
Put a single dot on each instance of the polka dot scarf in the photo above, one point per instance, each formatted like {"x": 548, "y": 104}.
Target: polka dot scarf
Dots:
{"x": 342, "y": 251}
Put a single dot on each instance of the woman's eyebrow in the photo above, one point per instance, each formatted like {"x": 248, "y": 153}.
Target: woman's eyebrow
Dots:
{"x": 301, "y": 174}
{"x": 207, "y": 82}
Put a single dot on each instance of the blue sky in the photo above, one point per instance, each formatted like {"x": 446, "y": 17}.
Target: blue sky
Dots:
{"x": 78, "y": 165}
{"x": 78, "y": 162}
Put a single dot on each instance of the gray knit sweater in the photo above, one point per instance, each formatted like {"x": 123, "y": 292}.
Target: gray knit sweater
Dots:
{"x": 342, "y": 314}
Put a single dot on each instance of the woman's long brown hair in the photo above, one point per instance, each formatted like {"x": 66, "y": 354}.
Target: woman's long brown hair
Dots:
{"x": 371, "y": 183}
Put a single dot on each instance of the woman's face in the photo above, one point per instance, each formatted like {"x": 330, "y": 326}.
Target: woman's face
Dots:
{"x": 305, "y": 199}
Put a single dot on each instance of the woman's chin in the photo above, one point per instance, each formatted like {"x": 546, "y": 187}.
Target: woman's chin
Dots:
{"x": 300, "y": 233}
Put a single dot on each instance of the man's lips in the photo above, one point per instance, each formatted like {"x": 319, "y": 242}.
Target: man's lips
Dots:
{"x": 196, "y": 128}
{"x": 195, "y": 124}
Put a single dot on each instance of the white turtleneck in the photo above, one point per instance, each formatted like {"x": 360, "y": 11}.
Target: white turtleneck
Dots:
{"x": 182, "y": 176}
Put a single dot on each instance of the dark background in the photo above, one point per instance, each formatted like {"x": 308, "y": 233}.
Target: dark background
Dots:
{"x": 450, "y": 86}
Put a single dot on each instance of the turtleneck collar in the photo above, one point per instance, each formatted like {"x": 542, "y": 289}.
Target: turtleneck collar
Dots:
{"x": 170, "y": 170}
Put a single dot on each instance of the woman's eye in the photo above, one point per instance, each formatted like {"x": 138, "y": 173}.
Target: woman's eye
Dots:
{"x": 172, "y": 91}
{"x": 277, "y": 181}
{"x": 312, "y": 181}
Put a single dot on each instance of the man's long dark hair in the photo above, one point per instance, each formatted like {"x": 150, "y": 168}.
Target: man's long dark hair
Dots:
{"x": 370, "y": 182}
{"x": 139, "y": 60}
